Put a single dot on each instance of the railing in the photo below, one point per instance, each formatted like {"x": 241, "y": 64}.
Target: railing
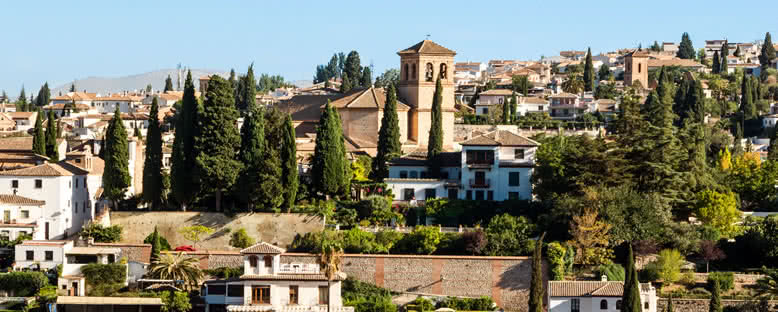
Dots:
{"x": 306, "y": 268}
{"x": 479, "y": 183}
{"x": 291, "y": 308}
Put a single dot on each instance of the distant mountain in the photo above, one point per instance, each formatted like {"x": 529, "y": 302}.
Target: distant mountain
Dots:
{"x": 106, "y": 85}
{"x": 302, "y": 83}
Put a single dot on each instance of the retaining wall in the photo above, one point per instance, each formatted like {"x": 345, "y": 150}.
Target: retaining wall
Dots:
{"x": 701, "y": 305}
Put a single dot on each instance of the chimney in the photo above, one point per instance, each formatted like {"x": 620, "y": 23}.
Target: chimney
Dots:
{"x": 604, "y": 278}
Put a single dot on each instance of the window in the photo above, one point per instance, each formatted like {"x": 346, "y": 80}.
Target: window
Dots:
{"x": 645, "y": 305}
{"x": 469, "y": 195}
{"x": 443, "y": 71}
{"x": 111, "y": 258}
{"x": 489, "y": 195}
{"x": 513, "y": 195}
{"x": 235, "y": 291}
{"x": 294, "y": 294}
{"x": 403, "y": 174}
{"x": 430, "y": 73}
{"x": 268, "y": 261}
{"x": 518, "y": 153}
{"x": 486, "y": 111}
{"x": 575, "y": 305}
{"x": 76, "y": 183}
{"x": 413, "y": 72}
{"x": 453, "y": 193}
{"x": 514, "y": 179}
{"x": 479, "y": 157}
{"x": 14, "y": 183}
{"x": 640, "y": 67}
{"x": 408, "y": 194}
{"x": 260, "y": 295}
{"x": 414, "y": 174}
{"x": 253, "y": 261}
{"x": 444, "y": 175}
{"x": 30, "y": 255}
{"x": 38, "y": 183}
{"x": 429, "y": 194}
{"x": 70, "y": 184}
{"x": 217, "y": 289}
{"x": 324, "y": 295}
{"x": 540, "y": 108}
{"x": 618, "y": 305}
{"x": 25, "y": 214}
{"x": 479, "y": 195}
{"x": 49, "y": 255}
{"x": 603, "y": 304}
{"x": 423, "y": 175}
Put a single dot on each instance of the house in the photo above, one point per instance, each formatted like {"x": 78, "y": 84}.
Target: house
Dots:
{"x": 68, "y": 109}
{"x": 491, "y": 166}
{"x": 669, "y": 47}
{"x": 126, "y": 103}
{"x": 573, "y": 55}
{"x": 21, "y": 215}
{"x": 690, "y": 65}
{"x": 594, "y": 296}
{"x": 74, "y": 98}
{"x": 489, "y": 98}
{"x": 607, "y": 107}
{"x": 531, "y": 104}
{"x": 566, "y": 106}
{"x": 166, "y": 99}
{"x": 268, "y": 285}
{"x": 23, "y": 121}
{"x": 40, "y": 254}
{"x": 7, "y": 123}
{"x": 16, "y": 152}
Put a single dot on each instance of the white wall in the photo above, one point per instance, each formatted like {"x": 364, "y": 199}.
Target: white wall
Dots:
{"x": 20, "y": 256}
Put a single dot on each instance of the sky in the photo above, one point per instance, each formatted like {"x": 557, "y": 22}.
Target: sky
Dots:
{"x": 58, "y": 41}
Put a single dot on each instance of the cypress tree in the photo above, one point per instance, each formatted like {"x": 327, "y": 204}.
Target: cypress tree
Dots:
{"x": 768, "y": 51}
{"x": 116, "y": 176}
{"x": 73, "y": 87}
{"x": 247, "y": 91}
{"x": 330, "y": 169}
{"x": 260, "y": 178}
{"x": 367, "y": 78}
{"x": 353, "y": 68}
{"x": 168, "y": 84}
{"x": 513, "y": 108}
{"x": 44, "y": 96}
{"x": 747, "y": 106}
{"x": 715, "y": 298}
{"x": 536, "y": 290}
{"x": 39, "y": 137}
{"x": 588, "y": 75}
{"x": 389, "y": 145}
{"x": 216, "y": 161}
{"x": 737, "y": 148}
{"x": 669, "y": 304}
{"x": 630, "y": 298}
{"x": 772, "y": 151}
{"x": 155, "y": 244}
{"x": 345, "y": 83}
{"x": 233, "y": 79}
{"x": 184, "y": 182}
{"x": 290, "y": 176}
{"x": 51, "y": 137}
{"x": 716, "y": 68}
{"x": 506, "y": 111}
{"x": 21, "y": 102}
{"x": 685, "y": 48}
{"x": 737, "y": 52}
{"x": 724, "y": 54}
{"x": 435, "y": 141}
{"x": 152, "y": 166}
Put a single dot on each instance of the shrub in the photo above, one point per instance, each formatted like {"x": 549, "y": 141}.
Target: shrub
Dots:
{"x": 225, "y": 272}
{"x": 240, "y": 239}
{"x": 175, "y": 301}
{"x": 650, "y": 272}
{"x": 468, "y": 304}
{"x": 423, "y": 240}
{"x": 688, "y": 279}
{"x": 556, "y": 259}
{"x": 422, "y": 304}
{"x": 700, "y": 291}
{"x": 385, "y": 241}
{"x": 614, "y": 271}
{"x": 97, "y": 274}
{"x": 356, "y": 240}
{"x": 23, "y": 284}
{"x": 726, "y": 280}
{"x": 164, "y": 244}
{"x": 475, "y": 241}
{"x": 353, "y": 289}
{"x": 102, "y": 234}
{"x": 372, "y": 304}
{"x": 669, "y": 265}
{"x": 509, "y": 236}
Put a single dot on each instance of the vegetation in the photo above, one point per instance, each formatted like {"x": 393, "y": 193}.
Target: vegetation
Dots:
{"x": 240, "y": 239}
{"x": 435, "y": 140}
{"x": 100, "y": 233}
{"x": 23, "y": 284}
{"x": 177, "y": 301}
{"x": 330, "y": 169}
{"x": 184, "y": 183}
{"x": 177, "y": 266}
{"x": 116, "y": 176}
{"x": 195, "y": 233}
{"x": 388, "y": 137}
{"x": 104, "y": 279}
{"x": 153, "y": 187}
{"x": 536, "y": 288}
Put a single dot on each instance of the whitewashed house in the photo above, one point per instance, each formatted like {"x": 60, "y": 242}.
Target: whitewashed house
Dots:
{"x": 40, "y": 254}
{"x": 20, "y": 215}
{"x": 531, "y": 104}
{"x": 567, "y": 106}
{"x": 490, "y": 100}
{"x": 492, "y": 166}
{"x": 126, "y": 103}
{"x": 594, "y": 296}
{"x": 268, "y": 285}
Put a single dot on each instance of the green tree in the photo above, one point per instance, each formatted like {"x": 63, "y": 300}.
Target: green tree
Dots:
{"x": 178, "y": 267}
{"x": 655, "y": 47}
{"x": 21, "y": 102}
{"x": 389, "y": 77}
{"x": 716, "y": 68}
{"x": 51, "y": 137}
{"x": 768, "y": 285}
{"x": 669, "y": 304}
{"x": 353, "y": 68}
{"x": 507, "y": 235}
{"x": 506, "y": 111}
{"x": 290, "y": 176}
{"x": 521, "y": 84}
{"x": 724, "y": 54}
{"x": 604, "y": 72}
{"x": 44, "y": 96}
{"x": 718, "y": 210}
{"x": 330, "y": 168}
{"x": 590, "y": 238}
{"x": 685, "y": 48}
{"x": 588, "y": 74}
{"x": 767, "y": 53}
{"x": 175, "y": 301}
{"x": 630, "y": 298}
{"x": 39, "y": 137}
{"x": 536, "y": 290}
{"x": 512, "y": 107}
{"x": 246, "y": 99}
{"x": 216, "y": 160}
{"x": 329, "y": 262}
{"x": 100, "y": 233}
{"x": 195, "y": 233}
{"x": 240, "y": 239}
{"x": 715, "y": 298}
{"x": 389, "y": 145}
{"x": 155, "y": 245}
{"x": 424, "y": 239}
{"x": 747, "y": 106}
{"x": 153, "y": 188}
{"x": 163, "y": 243}
{"x": 367, "y": 78}
{"x": 73, "y": 87}
{"x": 345, "y": 84}
{"x": 116, "y": 176}
{"x": 737, "y": 52}
{"x": 260, "y": 176}
{"x": 669, "y": 263}
{"x": 184, "y": 182}
{"x": 574, "y": 84}
{"x": 435, "y": 141}
{"x": 168, "y": 84}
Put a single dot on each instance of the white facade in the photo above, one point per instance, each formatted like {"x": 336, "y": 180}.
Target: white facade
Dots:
{"x": 592, "y": 296}
{"x": 23, "y": 216}
{"x": 45, "y": 254}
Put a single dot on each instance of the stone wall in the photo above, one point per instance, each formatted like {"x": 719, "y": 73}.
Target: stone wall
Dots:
{"x": 277, "y": 229}
{"x": 701, "y": 305}
{"x": 749, "y": 279}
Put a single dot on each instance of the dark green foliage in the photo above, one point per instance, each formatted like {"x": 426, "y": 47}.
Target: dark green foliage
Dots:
{"x": 512, "y": 106}
{"x": 102, "y": 234}
{"x": 44, "y": 96}
{"x": 184, "y": 183}
{"x": 627, "y": 296}
{"x": 98, "y": 274}
{"x": 725, "y": 280}
{"x": 737, "y": 52}
{"x": 246, "y": 92}
{"x": 153, "y": 186}
{"x": 509, "y": 236}
{"x": 715, "y": 299}
{"x": 389, "y": 145}
{"x": 240, "y": 239}
{"x": 482, "y": 303}
{"x": 39, "y": 137}
{"x": 723, "y": 64}
{"x": 259, "y": 184}
{"x": 536, "y": 290}
{"x": 21, "y": 102}
{"x": 520, "y": 84}
{"x": 163, "y": 243}
{"x": 270, "y": 83}
{"x": 685, "y": 48}
{"x": 588, "y": 74}
{"x": 366, "y": 297}
{"x": 116, "y": 177}
{"x": 51, "y": 137}
{"x": 73, "y": 87}
{"x": 604, "y": 72}
{"x": 367, "y": 78}
{"x": 353, "y": 68}
{"x": 224, "y": 272}
{"x": 23, "y": 284}
{"x": 389, "y": 77}
{"x": 346, "y": 84}
{"x": 757, "y": 246}
{"x": 168, "y": 84}
{"x": 716, "y": 68}
{"x": 216, "y": 162}
{"x": 506, "y": 111}
{"x": 330, "y": 168}
{"x": 605, "y": 91}
{"x": 669, "y": 304}
{"x": 768, "y": 52}
{"x": 435, "y": 141}
{"x": 290, "y": 177}
{"x": 614, "y": 271}
{"x": 655, "y": 47}
{"x": 420, "y": 304}
{"x": 747, "y": 106}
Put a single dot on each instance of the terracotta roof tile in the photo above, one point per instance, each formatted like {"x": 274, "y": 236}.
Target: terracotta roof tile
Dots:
{"x": 14, "y": 199}
{"x": 46, "y": 170}
{"x": 133, "y": 252}
{"x": 293, "y": 277}
{"x": 427, "y": 47}
{"x": 263, "y": 248}
{"x": 589, "y": 288}
{"x": 500, "y": 138}
{"x": 502, "y": 92}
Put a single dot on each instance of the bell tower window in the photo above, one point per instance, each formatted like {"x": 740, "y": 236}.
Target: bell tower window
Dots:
{"x": 429, "y": 74}
{"x": 406, "y": 71}
{"x": 443, "y": 71}
{"x": 413, "y": 71}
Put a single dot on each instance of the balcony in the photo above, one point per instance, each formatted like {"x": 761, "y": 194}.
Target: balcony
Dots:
{"x": 479, "y": 183}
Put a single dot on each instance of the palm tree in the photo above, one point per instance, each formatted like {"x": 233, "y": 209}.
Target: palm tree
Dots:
{"x": 329, "y": 261}
{"x": 177, "y": 267}
{"x": 574, "y": 84}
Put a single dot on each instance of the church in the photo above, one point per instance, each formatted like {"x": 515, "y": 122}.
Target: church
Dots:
{"x": 361, "y": 110}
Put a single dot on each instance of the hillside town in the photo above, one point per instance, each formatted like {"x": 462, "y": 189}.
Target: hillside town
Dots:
{"x": 641, "y": 179}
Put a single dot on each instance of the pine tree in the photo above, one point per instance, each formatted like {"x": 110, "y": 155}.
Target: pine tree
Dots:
{"x": 389, "y": 145}
{"x": 536, "y": 290}
{"x": 116, "y": 175}
{"x": 39, "y": 137}
{"x": 184, "y": 182}
{"x": 290, "y": 176}
{"x": 153, "y": 187}
{"x": 247, "y": 90}
{"x": 768, "y": 52}
{"x": 715, "y": 298}
{"x": 51, "y": 137}
{"x": 330, "y": 168}
{"x": 216, "y": 161}
{"x": 588, "y": 75}
{"x": 716, "y": 68}
{"x": 353, "y": 68}
{"x": 723, "y": 64}
{"x": 685, "y": 48}
{"x": 44, "y": 96}
{"x": 513, "y": 108}
{"x": 168, "y": 84}
{"x": 367, "y": 78}
{"x": 435, "y": 141}
{"x": 345, "y": 84}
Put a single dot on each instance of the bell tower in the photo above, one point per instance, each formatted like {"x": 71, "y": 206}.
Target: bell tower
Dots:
{"x": 420, "y": 67}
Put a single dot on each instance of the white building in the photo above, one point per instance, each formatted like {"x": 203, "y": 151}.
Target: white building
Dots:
{"x": 585, "y": 296}
{"x": 126, "y": 104}
{"x": 567, "y": 106}
{"x": 41, "y": 254}
{"x": 492, "y": 166}
{"x": 268, "y": 285}
{"x": 21, "y": 215}
{"x": 488, "y": 99}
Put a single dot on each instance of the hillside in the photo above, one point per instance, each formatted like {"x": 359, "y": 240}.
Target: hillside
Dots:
{"x": 105, "y": 85}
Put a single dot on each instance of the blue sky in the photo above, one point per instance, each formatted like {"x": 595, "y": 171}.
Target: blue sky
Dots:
{"x": 57, "y": 41}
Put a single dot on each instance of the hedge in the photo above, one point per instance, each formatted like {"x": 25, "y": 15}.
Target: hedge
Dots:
{"x": 483, "y": 303}
{"x": 726, "y": 280}
{"x": 23, "y": 284}
{"x": 98, "y": 274}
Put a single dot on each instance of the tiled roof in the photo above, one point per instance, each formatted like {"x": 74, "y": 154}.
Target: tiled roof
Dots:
{"x": 14, "y": 199}
{"x": 44, "y": 243}
{"x": 263, "y": 248}
{"x": 22, "y": 115}
{"x": 564, "y": 95}
{"x": 366, "y": 98}
{"x": 499, "y": 92}
{"x": 638, "y": 53}
{"x": 306, "y": 107}
{"x": 533, "y": 100}
{"x": 134, "y": 252}
{"x": 419, "y": 158}
{"x": 293, "y": 277}
{"x": 589, "y": 288}
{"x": 500, "y": 138}
{"x": 61, "y": 106}
{"x": 46, "y": 170}
{"x": 17, "y": 144}
{"x": 673, "y": 62}
{"x": 427, "y": 47}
